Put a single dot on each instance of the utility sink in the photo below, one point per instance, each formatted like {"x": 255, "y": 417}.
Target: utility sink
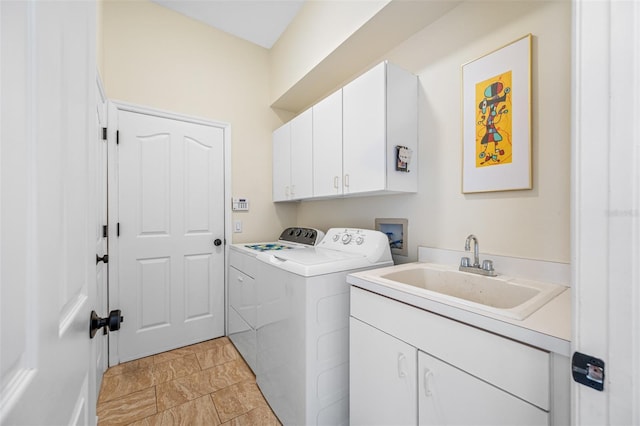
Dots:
{"x": 502, "y": 295}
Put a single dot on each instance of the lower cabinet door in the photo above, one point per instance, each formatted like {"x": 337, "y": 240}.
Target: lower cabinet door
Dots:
{"x": 382, "y": 378}
{"x": 450, "y": 396}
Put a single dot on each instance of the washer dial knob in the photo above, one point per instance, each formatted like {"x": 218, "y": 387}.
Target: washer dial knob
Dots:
{"x": 359, "y": 240}
{"x": 336, "y": 237}
{"x": 346, "y": 238}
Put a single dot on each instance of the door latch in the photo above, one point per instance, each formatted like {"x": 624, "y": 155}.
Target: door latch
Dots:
{"x": 112, "y": 322}
{"x": 588, "y": 370}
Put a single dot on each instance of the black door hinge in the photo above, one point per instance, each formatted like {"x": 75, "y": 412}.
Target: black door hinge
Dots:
{"x": 105, "y": 231}
{"x": 104, "y": 133}
{"x": 117, "y": 137}
{"x": 118, "y": 229}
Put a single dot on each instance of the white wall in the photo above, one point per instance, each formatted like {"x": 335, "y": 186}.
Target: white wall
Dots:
{"x": 532, "y": 224}
{"x": 314, "y": 34}
{"x": 155, "y": 57}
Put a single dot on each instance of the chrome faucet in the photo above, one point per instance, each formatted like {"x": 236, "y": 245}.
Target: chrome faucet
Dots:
{"x": 465, "y": 264}
{"x": 476, "y": 249}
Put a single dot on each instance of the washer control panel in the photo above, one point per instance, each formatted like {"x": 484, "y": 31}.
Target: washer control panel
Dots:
{"x": 367, "y": 242}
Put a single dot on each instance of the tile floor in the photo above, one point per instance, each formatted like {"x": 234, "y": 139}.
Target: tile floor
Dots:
{"x": 204, "y": 384}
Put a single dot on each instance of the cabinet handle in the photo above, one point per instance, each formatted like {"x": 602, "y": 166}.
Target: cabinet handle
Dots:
{"x": 293, "y": 190}
{"x": 335, "y": 182}
{"x": 401, "y": 360}
{"x": 346, "y": 180}
{"x": 286, "y": 191}
{"x": 240, "y": 279}
{"x": 428, "y": 374}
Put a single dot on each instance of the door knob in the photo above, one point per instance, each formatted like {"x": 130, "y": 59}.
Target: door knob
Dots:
{"x": 217, "y": 242}
{"x": 104, "y": 259}
{"x": 112, "y": 322}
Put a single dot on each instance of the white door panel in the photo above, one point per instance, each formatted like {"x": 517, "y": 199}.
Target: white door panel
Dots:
{"x": 47, "y": 252}
{"x": 101, "y": 242}
{"x": 171, "y": 210}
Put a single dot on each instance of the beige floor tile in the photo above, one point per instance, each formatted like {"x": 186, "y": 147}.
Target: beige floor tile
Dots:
{"x": 171, "y": 389}
{"x": 116, "y": 386}
{"x": 127, "y": 367}
{"x": 237, "y": 400}
{"x": 173, "y": 354}
{"x": 175, "y": 368}
{"x": 261, "y": 416}
{"x": 190, "y": 387}
{"x": 218, "y": 355}
{"x": 200, "y": 411}
{"x": 229, "y": 373}
{"x": 127, "y": 409}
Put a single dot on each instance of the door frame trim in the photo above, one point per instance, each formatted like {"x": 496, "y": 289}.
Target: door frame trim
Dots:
{"x": 113, "y": 106}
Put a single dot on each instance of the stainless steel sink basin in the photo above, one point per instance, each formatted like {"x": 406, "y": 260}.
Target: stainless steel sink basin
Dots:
{"x": 502, "y": 295}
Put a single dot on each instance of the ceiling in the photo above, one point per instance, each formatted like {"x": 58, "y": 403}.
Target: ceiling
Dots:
{"x": 258, "y": 21}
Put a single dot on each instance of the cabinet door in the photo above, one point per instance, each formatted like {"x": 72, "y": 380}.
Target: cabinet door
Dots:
{"x": 449, "y": 396}
{"x": 382, "y": 378}
{"x": 364, "y": 132}
{"x": 281, "y": 152}
{"x": 301, "y": 156}
{"x": 327, "y": 146}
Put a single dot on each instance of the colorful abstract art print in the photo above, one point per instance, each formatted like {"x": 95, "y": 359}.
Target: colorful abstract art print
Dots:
{"x": 496, "y": 120}
{"x": 493, "y": 121}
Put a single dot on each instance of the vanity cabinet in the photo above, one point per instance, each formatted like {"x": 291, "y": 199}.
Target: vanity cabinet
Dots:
{"x": 450, "y": 396}
{"x": 454, "y": 373}
{"x": 292, "y": 159}
{"x": 382, "y": 377}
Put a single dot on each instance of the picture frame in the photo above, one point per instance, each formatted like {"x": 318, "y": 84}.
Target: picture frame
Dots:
{"x": 496, "y": 120}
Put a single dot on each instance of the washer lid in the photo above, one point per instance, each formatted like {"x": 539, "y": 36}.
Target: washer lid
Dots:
{"x": 317, "y": 256}
{"x": 309, "y": 262}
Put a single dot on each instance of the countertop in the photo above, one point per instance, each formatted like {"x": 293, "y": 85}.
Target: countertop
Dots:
{"x": 548, "y": 328}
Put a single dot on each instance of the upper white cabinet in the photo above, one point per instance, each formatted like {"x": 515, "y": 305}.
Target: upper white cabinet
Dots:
{"x": 292, "y": 159}
{"x": 380, "y": 115}
{"x": 364, "y": 140}
{"x": 327, "y": 146}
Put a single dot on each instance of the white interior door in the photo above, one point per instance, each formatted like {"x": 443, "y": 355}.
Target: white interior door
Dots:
{"x": 100, "y": 233}
{"x": 170, "y": 284}
{"x": 47, "y": 257}
{"x": 606, "y": 207}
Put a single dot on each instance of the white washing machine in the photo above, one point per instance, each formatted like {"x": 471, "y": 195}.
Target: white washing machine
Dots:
{"x": 241, "y": 285}
{"x": 302, "y": 324}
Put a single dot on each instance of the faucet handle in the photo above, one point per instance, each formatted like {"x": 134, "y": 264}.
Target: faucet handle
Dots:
{"x": 465, "y": 262}
{"x": 487, "y": 265}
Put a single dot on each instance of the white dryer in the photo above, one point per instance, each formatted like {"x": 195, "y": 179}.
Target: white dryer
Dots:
{"x": 302, "y": 324}
{"x": 241, "y": 282}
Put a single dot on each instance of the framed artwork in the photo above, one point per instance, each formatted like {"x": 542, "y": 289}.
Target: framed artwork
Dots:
{"x": 496, "y": 120}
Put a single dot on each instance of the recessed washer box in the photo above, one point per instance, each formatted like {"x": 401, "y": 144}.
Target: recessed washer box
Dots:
{"x": 396, "y": 230}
